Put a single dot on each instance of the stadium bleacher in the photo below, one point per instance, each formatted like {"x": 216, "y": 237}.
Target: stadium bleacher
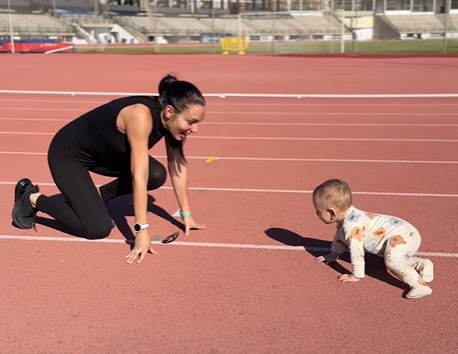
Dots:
{"x": 33, "y": 25}
{"x": 418, "y": 22}
{"x": 249, "y": 25}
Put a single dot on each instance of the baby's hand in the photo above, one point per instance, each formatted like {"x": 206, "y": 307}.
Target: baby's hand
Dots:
{"x": 346, "y": 278}
{"x": 330, "y": 258}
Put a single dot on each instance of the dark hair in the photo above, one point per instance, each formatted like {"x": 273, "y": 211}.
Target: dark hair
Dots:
{"x": 336, "y": 192}
{"x": 180, "y": 95}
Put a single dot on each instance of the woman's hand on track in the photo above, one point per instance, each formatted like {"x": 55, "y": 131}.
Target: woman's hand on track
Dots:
{"x": 141, "y": 248}
{"x": 190, "y": 224}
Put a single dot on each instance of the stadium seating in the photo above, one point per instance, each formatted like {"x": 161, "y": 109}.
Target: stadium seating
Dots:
{"x": 291, "y": 25}
{"x": 428, "y": 23}
{"x": 314, "y": 24}
{"x": 27, "y": 25}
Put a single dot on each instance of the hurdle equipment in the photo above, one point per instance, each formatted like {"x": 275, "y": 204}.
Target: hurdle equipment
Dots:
{"x": 234, "y": 44}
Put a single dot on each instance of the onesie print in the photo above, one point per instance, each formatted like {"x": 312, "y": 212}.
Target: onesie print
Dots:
{"x": 396, "y": 222}
{"x": 397, "y": 240}
{"x": 380, "y": 232}
{"x": 353, "y": 216}
{"x": 372, "y": 248}
{"x": 357, "y": 234}
{"x": 371, "y": 215}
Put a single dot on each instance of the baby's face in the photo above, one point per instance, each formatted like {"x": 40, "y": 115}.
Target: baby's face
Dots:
{"x": 324, "y": 213}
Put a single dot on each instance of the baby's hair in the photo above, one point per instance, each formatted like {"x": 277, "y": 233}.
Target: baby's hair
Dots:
{"x": 336, "y": 192}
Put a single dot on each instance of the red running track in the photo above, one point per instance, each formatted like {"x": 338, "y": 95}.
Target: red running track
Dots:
{"x": 217, "y": 290}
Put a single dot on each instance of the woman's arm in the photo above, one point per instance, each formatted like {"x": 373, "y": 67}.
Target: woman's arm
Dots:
{"x": 137, "y": 123}
{"x": 179, "y": 177}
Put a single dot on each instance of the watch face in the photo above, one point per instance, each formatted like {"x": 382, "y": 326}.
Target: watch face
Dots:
{"x": 137, "y": 227}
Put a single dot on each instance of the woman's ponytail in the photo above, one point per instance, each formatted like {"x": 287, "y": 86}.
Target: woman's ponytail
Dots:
{"x": 166, "y": 82}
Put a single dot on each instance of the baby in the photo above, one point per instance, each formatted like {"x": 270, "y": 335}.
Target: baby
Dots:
{"x": 394, "y": 239}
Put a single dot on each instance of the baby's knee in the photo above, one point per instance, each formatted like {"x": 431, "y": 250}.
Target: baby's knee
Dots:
{"x": 388, "y": 262}
{"x": 392, "y": 262}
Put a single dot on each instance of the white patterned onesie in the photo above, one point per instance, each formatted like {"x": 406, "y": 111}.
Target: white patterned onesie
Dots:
{"x": 392, "y": 238}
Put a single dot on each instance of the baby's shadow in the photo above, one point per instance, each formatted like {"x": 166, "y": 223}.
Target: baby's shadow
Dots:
{"x": 375, "y": 266}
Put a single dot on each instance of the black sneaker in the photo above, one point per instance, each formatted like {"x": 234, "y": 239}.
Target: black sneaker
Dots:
{"x": 20, "y": 188}
{"x": 24, "y": 213}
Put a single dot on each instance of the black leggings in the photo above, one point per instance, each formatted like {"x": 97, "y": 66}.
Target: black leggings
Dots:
{"x": 84, "y": 210}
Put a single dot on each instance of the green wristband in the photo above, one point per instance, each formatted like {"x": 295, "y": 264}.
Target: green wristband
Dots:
{"x": 185, "y": 214}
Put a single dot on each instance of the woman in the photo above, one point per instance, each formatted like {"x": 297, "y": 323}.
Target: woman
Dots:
{"x": 113, "y": 140}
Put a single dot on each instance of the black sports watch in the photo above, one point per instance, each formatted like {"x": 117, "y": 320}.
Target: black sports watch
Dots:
{"x": 140, "y": 227}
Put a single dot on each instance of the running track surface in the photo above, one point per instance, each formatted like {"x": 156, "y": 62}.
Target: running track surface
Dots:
{"x": 248, "y": 283}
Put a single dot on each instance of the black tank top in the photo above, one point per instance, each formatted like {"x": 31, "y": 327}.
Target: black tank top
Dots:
{"x": 94, "y": 139}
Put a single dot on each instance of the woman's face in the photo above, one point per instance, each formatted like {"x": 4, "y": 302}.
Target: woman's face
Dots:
{"x": 181, "y": 125}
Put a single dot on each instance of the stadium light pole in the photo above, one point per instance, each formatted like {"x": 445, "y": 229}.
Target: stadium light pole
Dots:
{"x": 156, "y": 41}
{"x": 152, "y": 15}
{"x": 275, "y": 2}
{"x": 213, "y": 25}
{"x": 342, "y": 30}
{"x": 11, "y": 27}
{"x": 444, "y": 43}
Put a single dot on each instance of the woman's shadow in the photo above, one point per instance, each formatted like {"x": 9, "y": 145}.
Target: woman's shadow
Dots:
{"x": 119, "y": 209}
{"x": 375, "y": 266}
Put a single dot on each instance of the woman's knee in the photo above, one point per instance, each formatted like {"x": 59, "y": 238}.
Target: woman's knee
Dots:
{"x": 98, "y": 229}
{"x": 157, "y": 176}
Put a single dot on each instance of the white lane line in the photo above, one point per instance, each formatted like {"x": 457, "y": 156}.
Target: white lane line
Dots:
{"x": 198, "y": 244}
